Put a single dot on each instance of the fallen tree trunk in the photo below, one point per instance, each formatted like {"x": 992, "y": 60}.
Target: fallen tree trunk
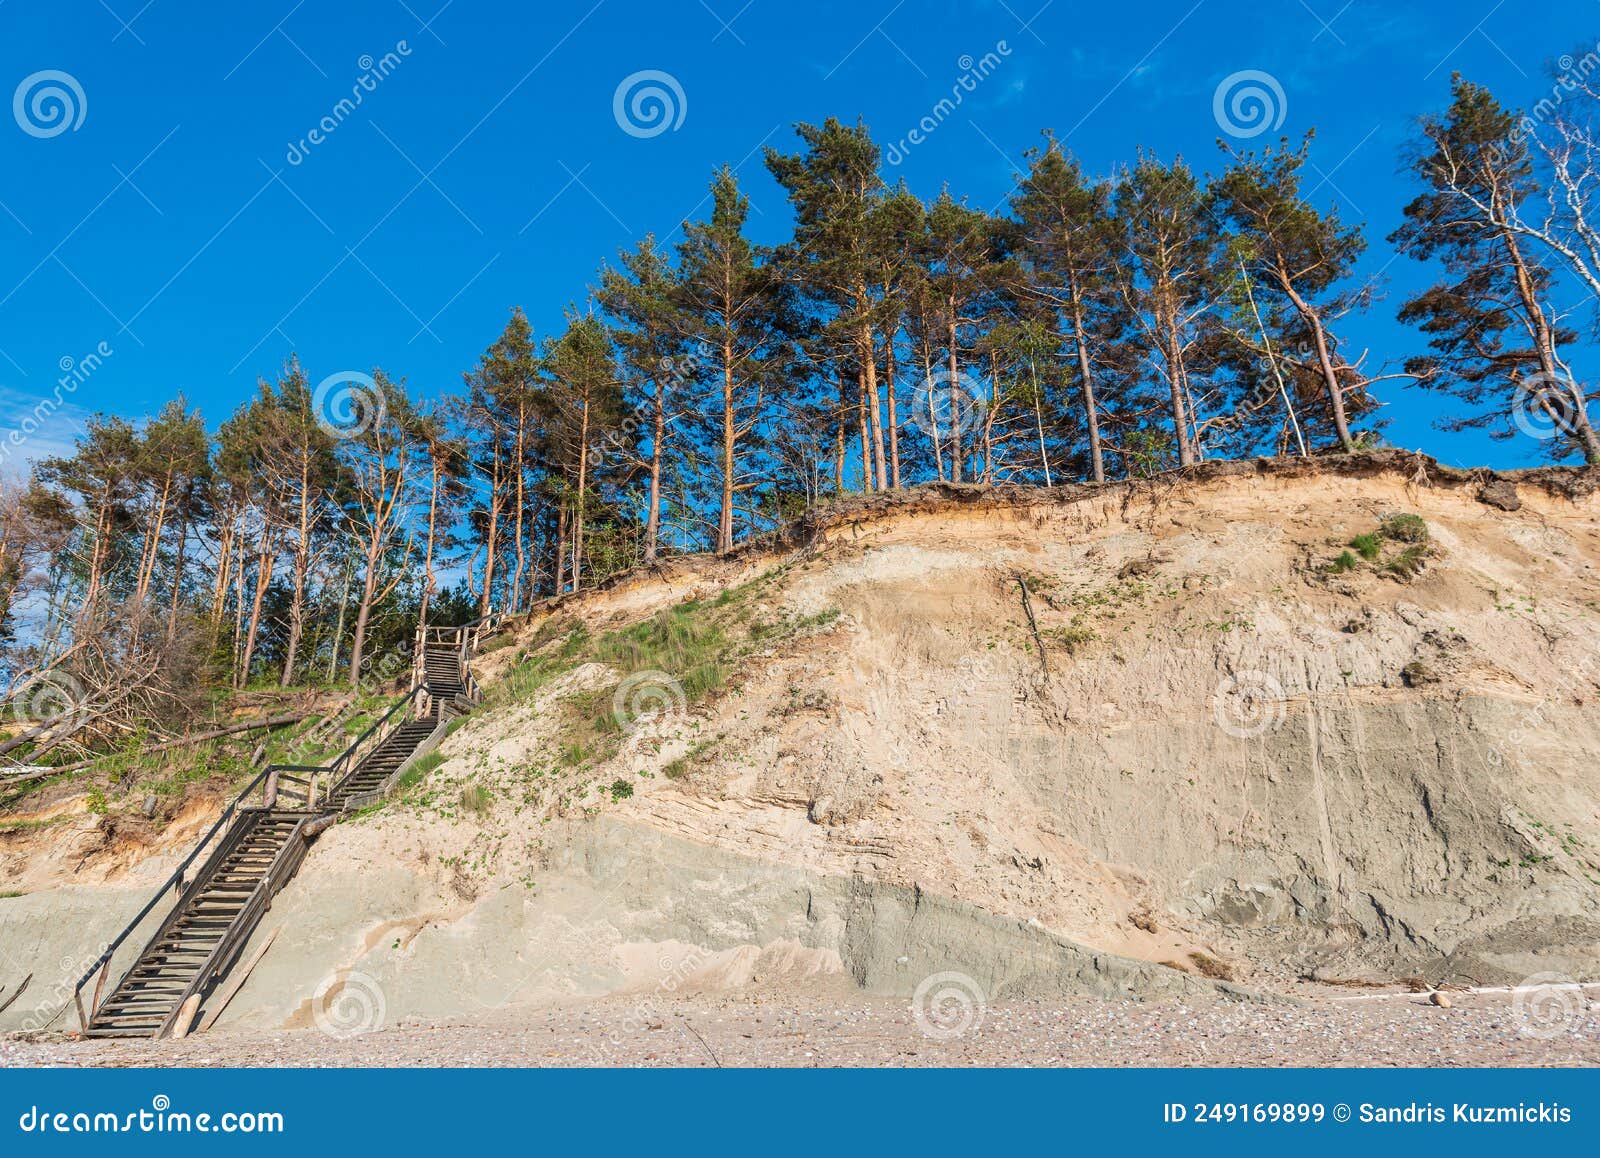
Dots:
{"x": 197, "y": 738}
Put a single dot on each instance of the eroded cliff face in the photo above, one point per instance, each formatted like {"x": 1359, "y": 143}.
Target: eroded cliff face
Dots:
{"x": 1255, "y": 727}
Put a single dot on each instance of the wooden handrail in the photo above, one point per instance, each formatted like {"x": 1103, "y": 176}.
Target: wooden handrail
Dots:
{"x": 321, "y": 781}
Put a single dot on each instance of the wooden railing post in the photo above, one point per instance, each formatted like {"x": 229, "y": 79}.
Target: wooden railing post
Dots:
{"x": 99, "y": 986}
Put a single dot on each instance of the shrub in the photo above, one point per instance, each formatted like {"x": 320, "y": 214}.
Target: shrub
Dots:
{"x": 1405, "y": 528}
{"x": 621, "y": 789}
{"x": 1368, "y": 546}
{"x": 1345, "y": 562}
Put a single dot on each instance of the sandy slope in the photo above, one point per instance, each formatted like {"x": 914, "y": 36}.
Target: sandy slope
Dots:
{"x": 1231, "y": 760}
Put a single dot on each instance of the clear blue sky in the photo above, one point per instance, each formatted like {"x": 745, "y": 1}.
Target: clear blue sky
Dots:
{"x": 487, "y": 169}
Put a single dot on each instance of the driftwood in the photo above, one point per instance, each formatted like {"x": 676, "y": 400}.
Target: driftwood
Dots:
{"x": 181, "y": 741}
{"x": 236, "y": 983}
{"x": 186, "y": 1012}
{"x": 1027, "y": 605}
{"x": 8, "y": 1001}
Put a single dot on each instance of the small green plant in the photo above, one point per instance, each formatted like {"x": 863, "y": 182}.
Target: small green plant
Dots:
{"x": 1405, "y": 528}
{"x": 1408, "y": 563}
{"x": 621, "y": 789}
{"x": 1345, "y": 562}
{"x": 1368, "y": 546}
{"x": 96, "y": 802}
{"x": 420, "y": 767}
{"x": 680, "y": 768}
{"x": 1074, "y": 635}
{"x": 477, "y": 800}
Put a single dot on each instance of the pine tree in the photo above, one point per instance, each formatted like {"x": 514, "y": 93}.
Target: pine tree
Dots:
{"x": 835, "y": 188}
{"x": 1297, "y": 258}
{"x": 1069, "y": 252}
{"x": 735, "y": 309}
{"x": 964, "y": 264}
{"x": 649, "y": 333}
{"x": 1491, "y": 325}
{"x": 385, "y": 463}
{"x": 583, "y": 404}
{"x": 1171, "y": 282}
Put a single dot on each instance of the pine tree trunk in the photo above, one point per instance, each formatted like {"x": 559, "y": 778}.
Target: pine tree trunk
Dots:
{"x": 433, "y": 530}
{"x": 725, "y": 516}
{"x": 369, "y": 590}
{"x": 1091, "y": 411}
{"x": 861, "y": 430}
{"x": 1545, "y": 348}
{"x": 264, "y": 568}
{"x": 152, "y": 541}
{"x": 894, "y": 427}
{"x": 838, "y": 441}
{"x": 177, "y": 578}
{"x": 652, "y": 525}
{"x": 492, "y": 535}
{"x": 583, "y": 480}
{"x": 1330, "y": 377}
{"x": 869, "y": 357}
{"x": 521, "y": 446}
{"x": 302, "y": 564}
{"x": 955, "y": 402}
{"x": 1175, "y": 379}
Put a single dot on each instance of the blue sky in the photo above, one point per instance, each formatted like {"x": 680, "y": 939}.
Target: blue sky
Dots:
{"x": 487, "y": 168}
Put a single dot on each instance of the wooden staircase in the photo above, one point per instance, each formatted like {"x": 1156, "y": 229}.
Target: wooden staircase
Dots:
{"x": 258, "y": 848}
{"x": 382, "y": 762}
{"x": 442, "y": 670}
{"x": 204, "y": 933}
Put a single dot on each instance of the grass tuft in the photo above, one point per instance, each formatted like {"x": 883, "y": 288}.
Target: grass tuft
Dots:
{"x": 477, "y": 800}
{"x": 1368, "y": 546}
{"x": 1405, "y": 528}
